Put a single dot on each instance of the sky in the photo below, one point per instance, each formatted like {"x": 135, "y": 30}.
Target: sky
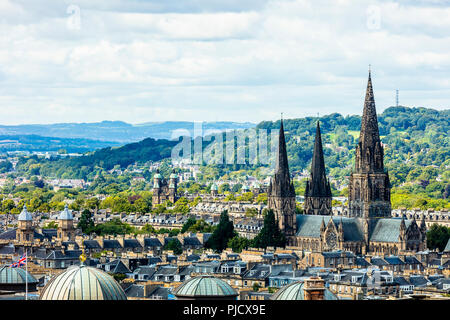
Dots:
{"x": 209, "y": 60}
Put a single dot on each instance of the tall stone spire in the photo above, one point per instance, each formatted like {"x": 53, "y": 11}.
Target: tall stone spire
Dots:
{"x": 282, "y": 166}
{"x": 319, "y": 186}
{"x": 281, "y": 193}
{"x": 369, "y": 188}
{"x": 318, "y": 190}
{"x": 369, "y": 152}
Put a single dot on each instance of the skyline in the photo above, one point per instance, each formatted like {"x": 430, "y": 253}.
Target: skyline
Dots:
{"x": 156, "y": 61}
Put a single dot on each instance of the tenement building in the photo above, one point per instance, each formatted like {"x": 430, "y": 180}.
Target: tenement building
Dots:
{"x": 369, "y": 227}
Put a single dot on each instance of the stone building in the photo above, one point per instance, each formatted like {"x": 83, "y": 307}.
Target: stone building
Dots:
{"x": 66, "y": 230}
{"x": 281, "y": 193}
{"x": 369, "y": 187}
{"x": 318, "y": 190}
{"x": 25, "y": 229}
{"x": 164, "y": 190}
{"x": 368, "y": 226}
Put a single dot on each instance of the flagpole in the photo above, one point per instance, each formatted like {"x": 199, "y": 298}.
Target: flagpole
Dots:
{"x": 26, "y": 274}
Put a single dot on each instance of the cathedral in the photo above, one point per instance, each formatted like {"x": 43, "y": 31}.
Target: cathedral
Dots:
{"x": 367, "y": 227}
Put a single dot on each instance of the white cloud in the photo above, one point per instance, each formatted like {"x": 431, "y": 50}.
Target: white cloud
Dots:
{"x": 170, "y": 60}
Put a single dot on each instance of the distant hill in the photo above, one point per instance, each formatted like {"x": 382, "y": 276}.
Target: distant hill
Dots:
{"x": 39, "y": 143}
{"x": 118, "y": 131}
{"x": 414, "y": 139}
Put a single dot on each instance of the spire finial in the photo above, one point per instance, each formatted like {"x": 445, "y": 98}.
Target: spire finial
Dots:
{"x": 282, "y": 116}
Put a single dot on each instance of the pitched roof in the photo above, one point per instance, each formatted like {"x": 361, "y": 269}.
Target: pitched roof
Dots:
{"x": 387, "y": 230}
{"x": 309, "y": 226}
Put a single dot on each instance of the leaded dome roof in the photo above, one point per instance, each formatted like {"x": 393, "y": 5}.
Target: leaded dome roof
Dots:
{"x": 25, "y": 215}
{"x": 66, "y": 214}
{"x": 10, "y": 275}
{"x": 83, "y": 283}
{"x": 205, "y": 286}
{"x": 295, "y": 291}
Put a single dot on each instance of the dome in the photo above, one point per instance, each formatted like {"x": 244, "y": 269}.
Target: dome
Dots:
{"x": 171, "y": 186}
{"x": 205, "y": 287}
{"x": 10, "y": 275}
{"x": 83, "y": 283}
{"x": 157, "y": 176}
{"x": 25, "y": 215}
{"x": 66, "y": 214}
{"x": 173, "y": 176}
{"x": 295, "y": 291}
{"x": 214, "y": 187}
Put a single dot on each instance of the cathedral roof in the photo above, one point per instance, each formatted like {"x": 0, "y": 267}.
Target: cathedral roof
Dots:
{"x": 387, "y": 230}
{"x": 309, "y": 226}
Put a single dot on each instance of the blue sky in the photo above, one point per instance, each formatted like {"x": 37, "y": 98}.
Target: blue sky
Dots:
{"x": 210, "y": 60}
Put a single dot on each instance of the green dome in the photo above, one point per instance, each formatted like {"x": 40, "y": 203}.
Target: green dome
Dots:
{"x": 15, "y": 276}
{"x": 295, "y": 291}
{"x": 214, "y": 187}
{"x": 205, "y": 286}
{"x": 83, "y": 283}
{"x": 158, "y": 176}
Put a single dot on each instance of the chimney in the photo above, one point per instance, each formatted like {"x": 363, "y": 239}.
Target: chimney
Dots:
{"x": 314, "y": 288}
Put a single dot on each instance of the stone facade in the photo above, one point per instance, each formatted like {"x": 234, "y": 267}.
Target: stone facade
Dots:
{"x": 281, "y": 193}
{"x": 164, "y": 190}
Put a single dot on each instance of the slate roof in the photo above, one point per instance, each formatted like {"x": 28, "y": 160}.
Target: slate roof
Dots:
{"x": 387, "y": 230}
{"x": 117, "y": 266}
{"x": 152, "y": 242}
{"x": 393, "y": 260}
{"x": 192, "y": 241}
{"x": 8, "y": 235}
{"x": 309, "y": 226}
{"x": 111, "y": 244}
{"x": 91, "y": 244}
{"x": 377, "y": 261}
{"x": 418, "y": 281}
{"x": 131, "y": 243}
{"x": 7, "y": 249}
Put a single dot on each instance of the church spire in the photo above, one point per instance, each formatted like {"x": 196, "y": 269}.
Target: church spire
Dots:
{"x": 282, "y": 166}
{"x": 369, "y": 153}
{"x": 319, "y": 186}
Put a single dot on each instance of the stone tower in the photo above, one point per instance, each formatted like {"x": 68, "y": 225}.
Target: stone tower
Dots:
{"x": 281, "y": 193}
{"x": 318, "y": 190}
{"x": 369, "y": 187}
{"x": 66, "y": 230}
{"x": 25, "y": 229}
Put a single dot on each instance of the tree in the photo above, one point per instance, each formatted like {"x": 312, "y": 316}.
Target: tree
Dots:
{"x": 189, "y": 223}
{"x": 437, "y": 237}
{"x": 237, "y": 244}
{"x": 174, "y": 245}
{"x": 86, "y": 223}
{"x": 270, "y": 235}
{"x": 222, "y": 234}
